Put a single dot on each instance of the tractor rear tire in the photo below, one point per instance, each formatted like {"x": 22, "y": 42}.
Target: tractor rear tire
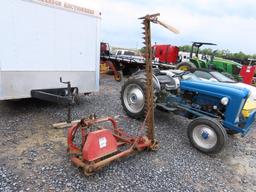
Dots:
{"x": 207, "y": 135}
{"x": 186, "y": 66}
{"x": 133, "y": 97}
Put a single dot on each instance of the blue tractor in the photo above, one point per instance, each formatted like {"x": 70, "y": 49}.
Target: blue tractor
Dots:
{"x": 215, "y": 108}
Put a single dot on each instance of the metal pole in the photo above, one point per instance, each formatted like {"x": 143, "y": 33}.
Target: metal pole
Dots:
{"x": 149, "y": 74}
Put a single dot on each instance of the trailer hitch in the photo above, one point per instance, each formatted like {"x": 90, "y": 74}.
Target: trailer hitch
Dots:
{"x": 64, "y": 96}
{"x": 68, "y": 84}
{"x": 72, "y": 94}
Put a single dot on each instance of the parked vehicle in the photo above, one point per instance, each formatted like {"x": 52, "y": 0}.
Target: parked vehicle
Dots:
{"x": 42, "y": 41}
{"x": 212, "y": 75}
{"x": 248, "y": 72}
{"x": 125, "y": 53}
{"x": 215, "y": 108}
{"x": 227, "y": 67}
{"x": 104, "y": 48}
{"x": 183, "y": 56}
{"x": 128, "y": 62}
{"x": 167, "y": 54}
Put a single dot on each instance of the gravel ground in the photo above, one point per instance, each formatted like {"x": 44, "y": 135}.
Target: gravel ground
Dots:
{"x": 34, "y": 158}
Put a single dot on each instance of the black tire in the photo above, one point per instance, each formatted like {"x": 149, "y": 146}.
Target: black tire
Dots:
{"x": 187, "y": 65}
{"x": 231, "y": 132}
{"x": 212, "y": 127}
{"x": 76, "y": 97}
{"x": 141, "y": 84}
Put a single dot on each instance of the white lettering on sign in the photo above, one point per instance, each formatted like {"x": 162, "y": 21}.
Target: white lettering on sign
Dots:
{"x": 64, "y": 5}
{"x": 103, "y": 142}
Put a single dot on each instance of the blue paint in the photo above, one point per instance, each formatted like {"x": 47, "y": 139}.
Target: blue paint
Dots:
{"x": 205, "y": 135}
{"x": 210, "y": 93}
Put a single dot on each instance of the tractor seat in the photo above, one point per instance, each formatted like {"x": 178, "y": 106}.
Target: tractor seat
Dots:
{"x": 167, "y": 82}
{"x": 164, "y": 79}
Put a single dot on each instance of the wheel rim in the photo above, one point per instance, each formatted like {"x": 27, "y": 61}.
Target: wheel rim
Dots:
{"x": 134, "y": 98}
{"x": 204, "y": 136}
{"x": 184, "y": 68}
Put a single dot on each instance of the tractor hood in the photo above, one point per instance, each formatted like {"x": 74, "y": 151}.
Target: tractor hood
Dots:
{"x": 250, "y": 87}
{"x": 250, "y": 104}
{"x": 237, "y": 96}
{"x": 215, "y": 89}
{"x": 221, "y": 60}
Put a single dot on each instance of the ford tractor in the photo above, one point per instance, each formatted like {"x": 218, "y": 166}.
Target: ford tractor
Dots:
{"x": 215, "y": 109}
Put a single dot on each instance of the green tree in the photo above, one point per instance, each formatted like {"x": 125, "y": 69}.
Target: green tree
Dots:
{"x": 224, "y": 53}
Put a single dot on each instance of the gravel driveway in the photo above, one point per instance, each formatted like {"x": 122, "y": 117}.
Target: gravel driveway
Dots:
{"x": 34, "y": 158}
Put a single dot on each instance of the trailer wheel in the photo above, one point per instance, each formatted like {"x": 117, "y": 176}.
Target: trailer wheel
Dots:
{"x": 133, "y": 97}
{"x": 207, "y": 135}
{"x": 118, "y": 76}
{"x": 77, "y": 99}
{"x": 184, "y": 66}
{"x": 75, "y": 95}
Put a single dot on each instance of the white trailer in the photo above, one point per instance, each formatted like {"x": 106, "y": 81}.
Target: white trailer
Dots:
{"x": 43, "y": 40}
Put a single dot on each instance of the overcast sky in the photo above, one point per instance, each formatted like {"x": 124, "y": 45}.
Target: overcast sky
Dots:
{"x": 229, "y": 23}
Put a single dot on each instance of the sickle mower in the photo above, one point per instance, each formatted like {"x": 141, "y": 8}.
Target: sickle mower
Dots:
{"x": 103, "y": 145}
{"x": 100, "y": 147}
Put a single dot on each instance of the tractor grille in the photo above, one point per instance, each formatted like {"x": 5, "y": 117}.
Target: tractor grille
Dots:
{"x": 236, "y": 70}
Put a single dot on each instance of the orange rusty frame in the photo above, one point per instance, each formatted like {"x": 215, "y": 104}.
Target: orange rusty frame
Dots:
{"x": 134, "y": 143}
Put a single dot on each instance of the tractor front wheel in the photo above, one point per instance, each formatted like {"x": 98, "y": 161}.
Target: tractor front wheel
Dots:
{"x": 207, "y": 135}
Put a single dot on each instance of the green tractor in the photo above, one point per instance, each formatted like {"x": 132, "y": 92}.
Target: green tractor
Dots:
{"x": 227, "y": 67}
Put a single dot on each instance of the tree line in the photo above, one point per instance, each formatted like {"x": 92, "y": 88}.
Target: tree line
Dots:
{"x": 224, "y": 53}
